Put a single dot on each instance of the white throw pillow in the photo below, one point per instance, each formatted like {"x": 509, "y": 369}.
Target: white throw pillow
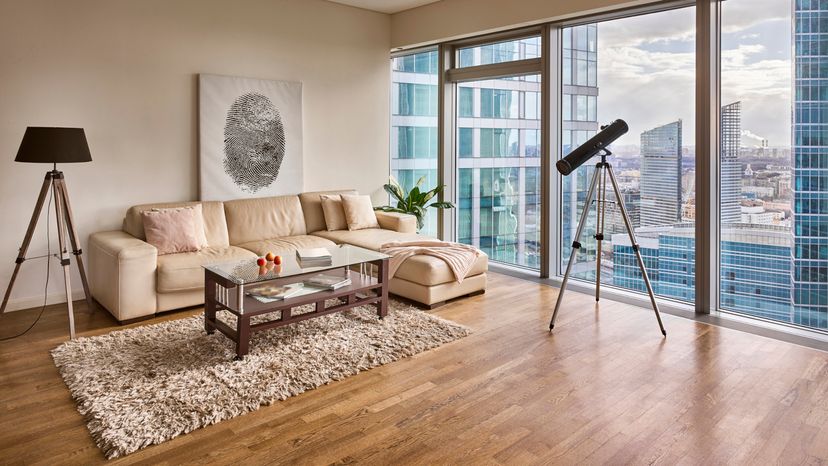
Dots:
{"x": 359, "y": 212}
{"x": 334, "y": 213}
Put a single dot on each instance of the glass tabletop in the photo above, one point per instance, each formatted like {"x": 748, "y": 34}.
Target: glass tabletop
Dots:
{"x": 247, "y": 271}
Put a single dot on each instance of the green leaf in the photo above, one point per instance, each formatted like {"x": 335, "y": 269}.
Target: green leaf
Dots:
{"x": 394, "y": 191}
{"x": 442, "y": 205}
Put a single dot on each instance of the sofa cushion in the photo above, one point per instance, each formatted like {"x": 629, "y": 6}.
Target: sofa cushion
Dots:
{"x": 181, "y": 272}
{"x": 215, "y": 223}
{"x": 287, "y": 244}
{"x": 430, "y": 270}
{"x": 263, "y": 218}
{"x": 422, "y": 269}
{"x": 312, "y": 208}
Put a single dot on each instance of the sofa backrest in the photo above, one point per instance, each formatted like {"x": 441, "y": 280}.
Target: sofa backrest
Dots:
{"x": 312, "y": 207}
{"x": 264, "y": 218}
{"x": 215, "y": 222}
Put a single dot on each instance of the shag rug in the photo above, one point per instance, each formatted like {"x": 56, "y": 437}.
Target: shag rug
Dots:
{"x": 149, "y": 384}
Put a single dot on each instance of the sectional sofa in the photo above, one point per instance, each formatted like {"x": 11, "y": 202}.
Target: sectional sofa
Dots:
{"x": 130, "y": 279}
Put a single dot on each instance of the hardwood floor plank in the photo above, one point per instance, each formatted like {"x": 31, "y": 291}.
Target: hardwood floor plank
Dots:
{"x": 604, "y": 387}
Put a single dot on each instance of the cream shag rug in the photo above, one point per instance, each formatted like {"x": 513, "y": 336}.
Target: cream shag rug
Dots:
{"x": 149, "y": 384}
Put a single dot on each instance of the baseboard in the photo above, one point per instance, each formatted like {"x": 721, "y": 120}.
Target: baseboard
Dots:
{"x": 19, "y": 304}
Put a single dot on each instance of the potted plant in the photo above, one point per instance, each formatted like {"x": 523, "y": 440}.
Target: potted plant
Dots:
{"x": 416, "y": 202}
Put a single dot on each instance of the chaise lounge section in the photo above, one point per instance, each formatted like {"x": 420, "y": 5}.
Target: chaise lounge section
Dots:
{"x": 130, "y": 279}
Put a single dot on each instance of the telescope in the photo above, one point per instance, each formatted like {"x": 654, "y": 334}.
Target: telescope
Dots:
{"x": 593, "y": 147}
{"x": 597, "y": 145}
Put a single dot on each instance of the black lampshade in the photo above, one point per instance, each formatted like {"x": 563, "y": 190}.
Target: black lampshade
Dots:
{"x": 53, "y": 145}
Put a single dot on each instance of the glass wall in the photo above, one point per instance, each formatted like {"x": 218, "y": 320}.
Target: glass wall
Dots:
{"x": 774, "y": 169}
{"x": 642, "y": 70}
{"x": 498, "y": 157}
{"x": 414, "y": 124}
{"x": 772, "y": 158}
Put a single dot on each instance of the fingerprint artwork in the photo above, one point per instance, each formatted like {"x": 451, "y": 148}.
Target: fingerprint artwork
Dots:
{"x": 249, "y": 138}
{"x": 254, "y": 142}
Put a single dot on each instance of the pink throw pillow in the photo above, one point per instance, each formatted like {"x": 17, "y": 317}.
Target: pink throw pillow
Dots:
{"x": 171, "y": 230}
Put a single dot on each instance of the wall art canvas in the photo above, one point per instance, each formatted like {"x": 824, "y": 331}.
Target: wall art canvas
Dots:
{"x": 250, "y": 137}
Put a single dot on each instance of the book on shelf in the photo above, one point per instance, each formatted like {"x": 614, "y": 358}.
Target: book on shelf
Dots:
{"x": 314, "y": 257}
{"x": 328, "y": 282}
{"x": 269, "y": 294}
{"x": 313, "y": 254}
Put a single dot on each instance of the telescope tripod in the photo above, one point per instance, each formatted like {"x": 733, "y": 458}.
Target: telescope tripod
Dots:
{"x": 603, "y": 170}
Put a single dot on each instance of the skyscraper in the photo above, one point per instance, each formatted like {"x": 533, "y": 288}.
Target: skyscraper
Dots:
{"x": 414, "y": 124}
{"x": 580, "y": 122}
{"x": 731, "y": 173}
{"x": 498, "y": 156}
{"x": 810, "y": 154}
{"x": 661, "y": 175}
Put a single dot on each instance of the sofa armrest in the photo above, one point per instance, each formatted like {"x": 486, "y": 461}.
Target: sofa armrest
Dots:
{"x": 402, "y": 223}
{"x": 122, "y": 274}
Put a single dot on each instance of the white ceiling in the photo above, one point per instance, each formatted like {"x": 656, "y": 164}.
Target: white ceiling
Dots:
{"x": 385, "y": 6}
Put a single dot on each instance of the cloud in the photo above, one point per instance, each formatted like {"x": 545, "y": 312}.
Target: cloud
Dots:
{"x": 646, "y": 70}
{"x": 738, "y": 15}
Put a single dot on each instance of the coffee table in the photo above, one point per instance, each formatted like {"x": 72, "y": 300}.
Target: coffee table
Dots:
{"x": 224, "y": 288}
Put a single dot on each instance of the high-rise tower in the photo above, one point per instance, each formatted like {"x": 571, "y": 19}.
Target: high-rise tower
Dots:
{"x": 731, "y": 173}
{"x": 810, "y": 165}
{"x": 661, "y": 175}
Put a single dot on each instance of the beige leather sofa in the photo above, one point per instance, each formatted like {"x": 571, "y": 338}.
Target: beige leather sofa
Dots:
{"x": 130, "y": 279}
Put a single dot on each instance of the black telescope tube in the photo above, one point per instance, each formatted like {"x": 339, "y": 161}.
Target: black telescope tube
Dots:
{"x": 591, "y": 148}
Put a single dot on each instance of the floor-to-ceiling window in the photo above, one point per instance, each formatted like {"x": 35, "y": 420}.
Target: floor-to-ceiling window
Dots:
{"x": 414, "y": 124}
{"x": 498, "y": 155}
{"x": 769, "y": 152}
{"x": 640, "y": 69}
{"x": 773, "y": 180}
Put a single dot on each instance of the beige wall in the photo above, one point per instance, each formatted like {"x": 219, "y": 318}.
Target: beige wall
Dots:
{"x": 127, "y": 72}
{"x": 452, "y": 19}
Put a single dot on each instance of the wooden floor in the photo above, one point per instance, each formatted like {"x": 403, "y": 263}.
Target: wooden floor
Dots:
{"x": 604, "y": 388}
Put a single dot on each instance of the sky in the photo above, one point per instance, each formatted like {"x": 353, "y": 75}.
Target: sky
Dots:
{"x": 646, "y": 70}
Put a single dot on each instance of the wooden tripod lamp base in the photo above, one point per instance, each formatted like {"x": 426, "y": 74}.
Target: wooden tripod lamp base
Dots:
{"x": 54, "y": 145}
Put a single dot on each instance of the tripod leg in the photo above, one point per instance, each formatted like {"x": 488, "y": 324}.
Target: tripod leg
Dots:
{"x": 635, "y": 247}
{"x": 21, "y": 256}
{"x": 64, "y": 261}
{"x": 75, "y": 240}
{"x": 599, "y": 235}
{"x": 576, "y": 245}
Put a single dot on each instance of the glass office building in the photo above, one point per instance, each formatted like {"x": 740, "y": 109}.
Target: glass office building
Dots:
{"x": 661, "y": 175}
{"x": 810, "y": 152}
{"x": 414, "y": 124}
{"x": 755, "y": 261}
{"x": 498, "y": 156}
{"x": 579, "y": 122}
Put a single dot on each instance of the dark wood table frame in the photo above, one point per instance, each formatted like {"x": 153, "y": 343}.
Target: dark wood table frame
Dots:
{"x": 364, "y": 289}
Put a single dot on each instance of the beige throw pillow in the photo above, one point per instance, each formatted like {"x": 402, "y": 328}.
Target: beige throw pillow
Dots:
{"x": 359, "y": 212}
{"x": 198, "y": 227}
{"x": 334, "y": 213}
{"x": 171, "y": 230}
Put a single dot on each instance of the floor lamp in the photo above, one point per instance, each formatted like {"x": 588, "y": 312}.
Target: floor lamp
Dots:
{"x": 54, "y": 145}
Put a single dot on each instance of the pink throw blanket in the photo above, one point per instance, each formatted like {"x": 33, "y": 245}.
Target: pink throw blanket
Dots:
{"x": 459, "y": 257}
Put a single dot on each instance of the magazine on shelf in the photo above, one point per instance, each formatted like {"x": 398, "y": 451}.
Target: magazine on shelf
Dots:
{"x": 269, "y": 294}
{"x": 328, "y": 282}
